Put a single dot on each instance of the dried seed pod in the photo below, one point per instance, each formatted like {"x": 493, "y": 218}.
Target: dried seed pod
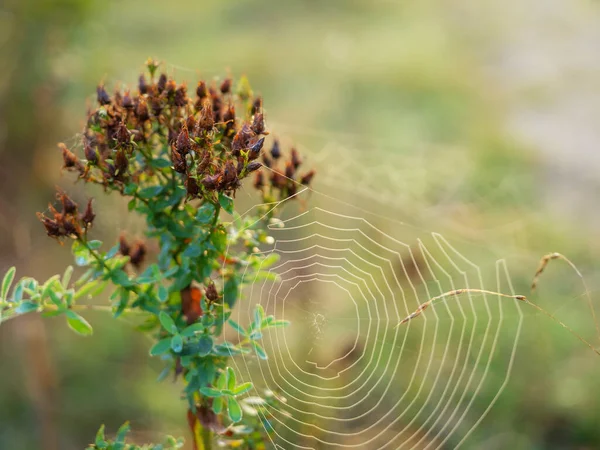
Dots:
{"x": 259, "y": 180}
{"x": 102, "y": 96}
{"x": 121, "y": 163}
{"x": 88, "y": 216}
{"x": 256, "y": 105}
{"x": 253, "y": 166}
{"x": 123, "y": 135}
{"x": 137, "y": 254}
{"x": 51, "y": 225}
{"x": 296, "y": 161}
{"x": 210, "y": 182}
{"x": 276, "y": 150}
{"x": 141, "y": 111}
{"x": 226, "y": 86}
{"x": 241, "y": 139}
{"x": 183, "y": 144}
{"x": 127, "y": 101}
{"x": 206, "y": 122}
{"x": 290, "y": 170}
{"x": 90, "y": 153}
{"x": 258, "y": 123}
{"x": 278, "y": 180}
{"x": 178, "y": 160}
{"x": 142, "y": 85}
{"x": 307, "y": 177}
{"x": 124, "y": 247}
{"x": 70, "y": 161}
{"x": 201, "y": 91}
{"x": 229, "y": 175}
{"x": 254, "y": 150}
{"x": 267, "y": 161}
{"x": 204, "y": 163}
{"x": 162, "y": 83}
{"x": 180, "y": 96}
{"x": 191, "y": 186}
{"x": 211, "y": 292}
{"x": 69, "y": 206}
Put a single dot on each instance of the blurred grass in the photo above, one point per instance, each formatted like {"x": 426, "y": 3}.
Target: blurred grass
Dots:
{"x": 421, "y": 89}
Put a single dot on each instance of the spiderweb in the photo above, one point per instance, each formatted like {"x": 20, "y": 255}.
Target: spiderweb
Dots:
{"x": 351, "y": 370}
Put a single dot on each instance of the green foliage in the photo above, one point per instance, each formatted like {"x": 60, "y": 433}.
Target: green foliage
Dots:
{"x": 101, "y": 442}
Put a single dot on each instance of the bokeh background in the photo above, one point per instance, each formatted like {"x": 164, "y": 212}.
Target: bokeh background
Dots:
{"x": 478, "y": 120}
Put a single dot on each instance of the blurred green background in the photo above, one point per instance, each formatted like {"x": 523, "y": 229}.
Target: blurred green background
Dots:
{"x": 478, "y": 120}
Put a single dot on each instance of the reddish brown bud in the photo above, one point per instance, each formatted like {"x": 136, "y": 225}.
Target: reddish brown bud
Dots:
{"x": 267, "y": 161}
{"x": 162, "y": 83}
{"x": 123, "y": 135}
{"x": 88, "y": 215}
{"x": 275, "y": 150}
{"x": 137, "y": 254}
{"x": 259, "y": 180}
{"x": 171, "y": 88}
{"x": 204, "y": 163}
{"x": 127, "y": 101}
{"x": 201, "y": 91}
{"x": 290, "y": 170}
{"x": 69, "y": 159}
{"x": 210, "y": 182}
{"x": 207, "y": 120}
{"x": 191, "y": 305}
{"x": 69, "y": 206}
{"x": 211, "y": 292}
{"x": 51, "y": 226}
{"x": 258, "y": 124}
{"x": 229, "y": 174}
{"x": 90, "y": 153}
{"x": 141, "y": 111}
{"x": 278, "y": 180}
{"x": 226, "y": 86}
{"x": 142, "y": 85}
{"x": 254, "y": 151}
{"x": 296, "y": 161}
{"x": 307, "y": 177}
{"x": 179, "y": 164}
{"x": 253, "y": 166}
{"x": 102, "y": 95}
{"x": 183, "y": 144}
{"x": 121, "y": 163}
{"x": 191, "y": 186}
{"x": 256, "y": 105}
{"x": 180, "y": 96}
{"x": 124, "y": 247}
{"x": 190, "y": 123}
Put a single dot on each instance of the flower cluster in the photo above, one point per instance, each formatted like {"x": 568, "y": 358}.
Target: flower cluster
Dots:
{"x": 69, "y": 222}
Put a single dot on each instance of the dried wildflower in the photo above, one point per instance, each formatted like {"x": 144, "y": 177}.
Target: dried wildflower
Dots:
{"x": 210, "y": 182}
{"x": 226, "y": 86}
{"x": 178, "y": 160}
{"x": 211, "y": 292}
{"x": 52, "y": 227}
{"x": 127, "y": 101}
{"x": 124, "y": 247}
{"x": 254, "y": 150}
{"x": 258, "y": 123}
{"x": 267, "y": 161}
{"x": 70, "y": 161}
{"x": 102, "y": 95}
{"x": 90, "y": 154}
{"x": 253, "y": 166}
{"x": 162, "y": 83}
{"x": 180, "y": 96}
{"x": 88, "y": 216}
{"x": 307, "y": 177}
{"x": 122, "y": 135}
{"x": 259, "y": 181}
{"x": 256, "y": 106}
{"x": 142, "y": 85}
{"x": 141, "y": 110}
{"x": 69, "y": 206}
{"x": 204, "y": 163}
{"x": 296, "y": 161}
{"x": 206, "y": 121}
{"x": 191, "y": 186}
{"x": 201, "y": 91}
{"x": 183, "y": 144}
{"x": 121, "y": 163}
{"x": 276, "y": 150}
{"x": 137, "y": 254}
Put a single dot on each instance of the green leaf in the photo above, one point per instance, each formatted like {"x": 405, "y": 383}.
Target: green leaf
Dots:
{"x": 222, "y": 380}
{"x": 119, "y": 277}
{"x": 242, "y": 388}
{"x": 78, "y": 324}
{"x": 193, "y": 329}
{"x": 279, "y": 323}
{"x": 226, "y": 203}
{"x": 230, "y": 378}
{"x": 269, "y": 260}
{"x": 193, "y": 251}
{"x": 163, "y": 294}
{"x": 234, "y": 410}
{"x": 100, "y": 441}
{"x": 177, "y": 343}
{"x": 230, "y": 291}
{"x": 259, "y": 350}
{"x": 237, "y": 327}
{"x": 67, "y": 276}
{"x": 86, "y": 289}
{"x": 205, "y": 345}
{"x": 160, "y": 347}
{"x": 26, "y": 307}
{"x": 150, "y": 192}
{"x": 217, "y": 406}
{"x": 210, "y": 392}
{"x": 167, "y": 322}
{"x": 122, "y": 432}
{"x": 205, "y": 213}
{"x": 259, "y": 315}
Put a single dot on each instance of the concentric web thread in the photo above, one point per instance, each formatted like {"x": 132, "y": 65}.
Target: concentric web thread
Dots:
{"x": 350, "y": 375}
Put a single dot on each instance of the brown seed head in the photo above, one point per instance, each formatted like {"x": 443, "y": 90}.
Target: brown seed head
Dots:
{"x": 102, "y": 96}
{"x": 88, "y": 215}
{"x": 137, "y": 254}
{"x": 226, "y": 86}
